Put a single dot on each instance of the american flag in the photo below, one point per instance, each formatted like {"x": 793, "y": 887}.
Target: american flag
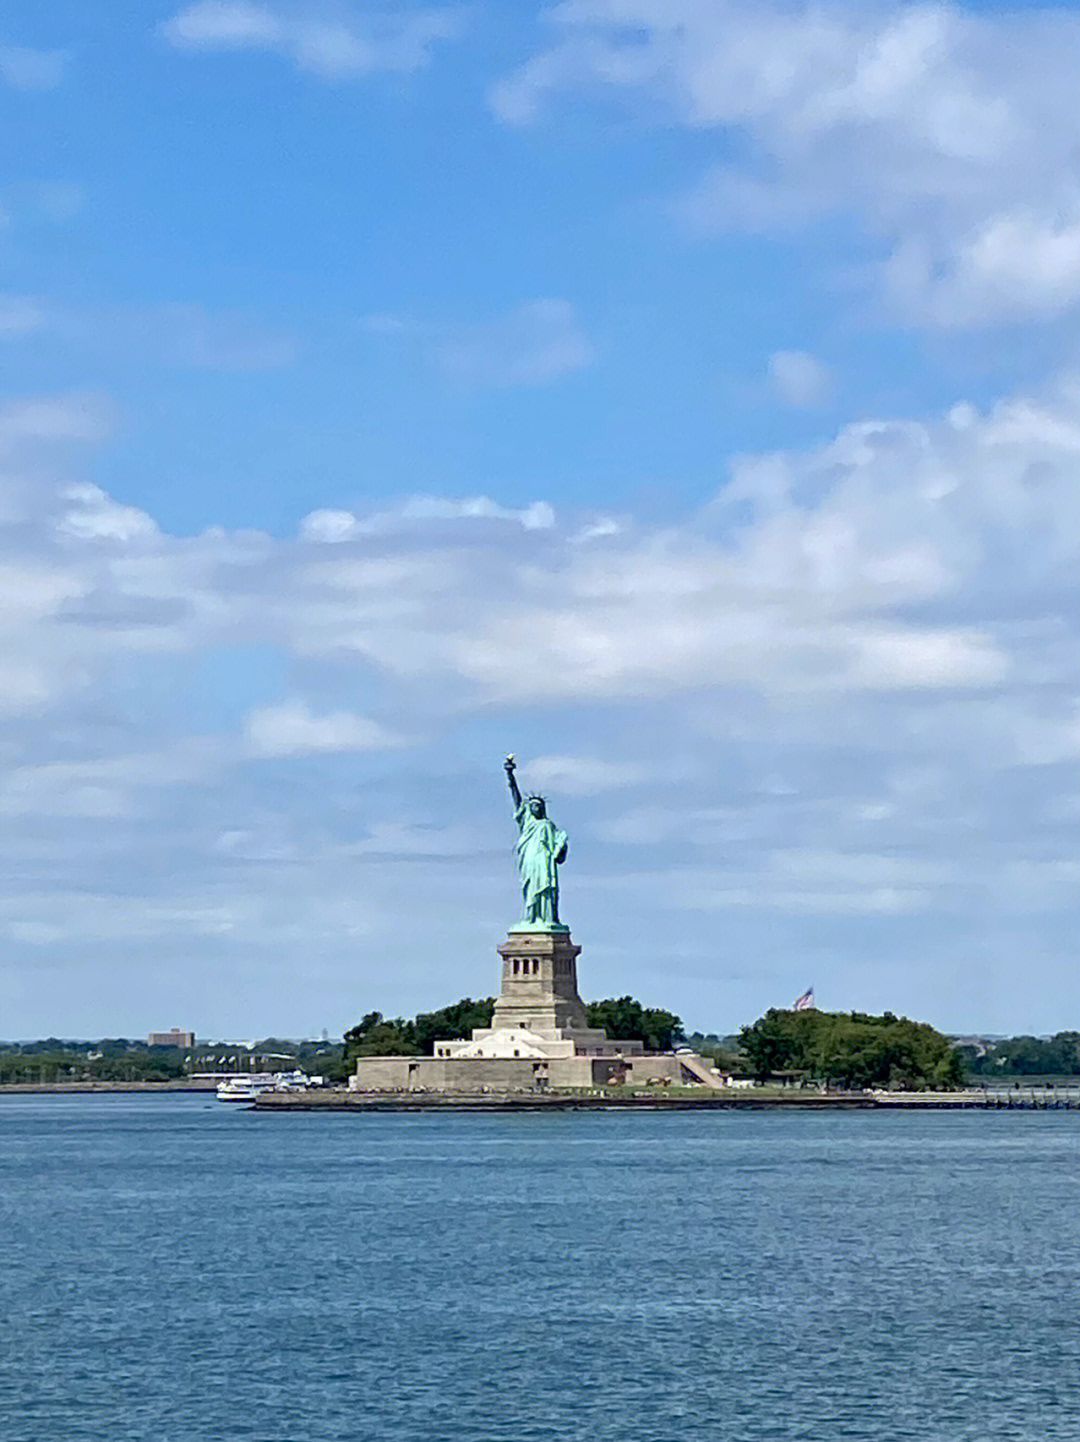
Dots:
{"x": 806, "y": 1001}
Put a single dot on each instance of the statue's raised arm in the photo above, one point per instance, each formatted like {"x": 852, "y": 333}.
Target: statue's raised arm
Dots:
{"x": 541, "y": 849}
{"x": 509, "y": 765}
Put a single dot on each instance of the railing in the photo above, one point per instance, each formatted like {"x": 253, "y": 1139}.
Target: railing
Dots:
{"x": 1053, "y": 1098}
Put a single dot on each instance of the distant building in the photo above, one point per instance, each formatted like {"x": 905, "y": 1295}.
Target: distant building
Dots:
{"x": 173, "y": 1037}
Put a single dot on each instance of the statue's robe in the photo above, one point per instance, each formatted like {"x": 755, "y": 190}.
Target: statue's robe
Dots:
{"x": 540, "y": 847}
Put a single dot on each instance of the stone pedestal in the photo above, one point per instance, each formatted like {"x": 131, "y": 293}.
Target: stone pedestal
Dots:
{"x": 539, "y": 983}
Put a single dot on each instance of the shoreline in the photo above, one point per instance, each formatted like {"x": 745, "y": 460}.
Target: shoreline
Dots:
{"x": 539, "y": 1101}
{"x": 343, "y": 1101}
{"x": 340, "y": 1100}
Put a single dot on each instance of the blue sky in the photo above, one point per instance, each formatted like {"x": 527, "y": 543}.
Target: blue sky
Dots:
{"x": 684, "y": 394}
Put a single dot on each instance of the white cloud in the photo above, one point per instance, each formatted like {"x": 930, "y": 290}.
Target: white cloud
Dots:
{"x": 402, "y": 839}
{"x": 77, "y": 416}
{"x": 537, "y": 516}
{"x": 949, "y": 135}
{"x": 94, "y": 516}
{"x": 292, "y": 729}
{"x": 853, "y": 567}
{"x": 531, "y": 345}
{"x": 76, "y": 917}
{"x": 26, "y": 69}
{"x": 849, "y": 686}
{"x": 325, "y": 41}
{"x": 895, "y": 660}
{"x": 174, "y": 334}
{"x": 799, "y": 379}
{"x": 329, "y": 527}
{"x": 35, "y": 933}
{"x": 580, "y": 775}
{"x": 24, "y": 686}
{"x": 29, "y": 590}
{"x": 831, "y": 885}
{"x": 224, "y": 23}
{"x": 1018, "y": 265}
{"x": 335, "y": 527}
{"x": 107, "y": 785}
{"x": 597, "y": 530}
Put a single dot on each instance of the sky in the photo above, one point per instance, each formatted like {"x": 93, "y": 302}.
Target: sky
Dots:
{"x": 681, "y": 394}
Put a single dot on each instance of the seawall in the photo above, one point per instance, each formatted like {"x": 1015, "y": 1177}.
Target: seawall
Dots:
{"x": 346, "y": 1101}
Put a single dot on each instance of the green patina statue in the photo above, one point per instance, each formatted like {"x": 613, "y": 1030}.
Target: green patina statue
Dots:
{"x": 541, "y": 849}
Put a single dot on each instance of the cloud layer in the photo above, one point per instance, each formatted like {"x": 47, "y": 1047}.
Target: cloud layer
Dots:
{"x": 947, "y": 135}
{"x": 328, "y": 42}
{"x": 847, "y": 689}
{"x": 810, "y": 712}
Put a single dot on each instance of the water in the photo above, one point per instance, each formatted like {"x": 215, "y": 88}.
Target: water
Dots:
{"x": 176, "y": 1270}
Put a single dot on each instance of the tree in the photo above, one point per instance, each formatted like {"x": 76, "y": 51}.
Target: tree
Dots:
{"x": 1028, "y": 1056}
{"x": 779, "y": 1041}
{"x": 375, "y": 1036}
{"x": 851, "y": 1049}
{"x": 625, "y": 1019}
{"x": 459, "y": 1019}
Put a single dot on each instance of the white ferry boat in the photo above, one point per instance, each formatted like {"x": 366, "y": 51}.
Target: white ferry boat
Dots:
{"x": 244, "y": 1088}
{"x": 292, "y": 1081}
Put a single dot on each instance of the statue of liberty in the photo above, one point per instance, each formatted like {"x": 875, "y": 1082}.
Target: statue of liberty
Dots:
{"x": 541, "y": 849}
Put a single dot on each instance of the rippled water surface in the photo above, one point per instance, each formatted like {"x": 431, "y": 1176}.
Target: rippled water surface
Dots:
{"x": 173, "y": 1269}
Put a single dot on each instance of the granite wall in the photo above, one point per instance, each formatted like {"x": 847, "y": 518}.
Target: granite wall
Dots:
{"x": 508, "y": 1074}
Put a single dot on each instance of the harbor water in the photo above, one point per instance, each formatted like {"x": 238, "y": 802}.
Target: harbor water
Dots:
{"x": 177, "y": 1270}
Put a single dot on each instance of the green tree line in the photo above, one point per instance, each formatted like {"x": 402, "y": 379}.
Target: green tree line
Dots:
{"x": 851, "y": 1050}
{"x": 118, "y": 1059}
{"x": 53, "y": 1060}
{"x": 1018, "y": 1056}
